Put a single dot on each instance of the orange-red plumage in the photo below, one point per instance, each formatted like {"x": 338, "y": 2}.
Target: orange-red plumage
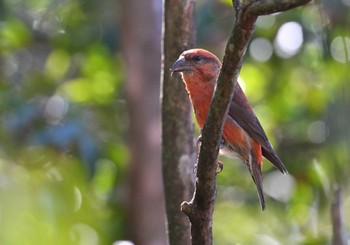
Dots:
{"x": 243, "y": 135}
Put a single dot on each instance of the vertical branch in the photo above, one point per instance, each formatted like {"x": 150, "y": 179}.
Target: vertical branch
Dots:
{"x": 178, "y": 155}
{"x": 337, "y": 222}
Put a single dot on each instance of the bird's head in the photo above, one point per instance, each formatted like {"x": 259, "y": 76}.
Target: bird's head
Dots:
{"x": 197, "y": 65}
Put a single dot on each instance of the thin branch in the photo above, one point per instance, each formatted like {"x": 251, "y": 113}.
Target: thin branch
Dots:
{"x": 266, "y": 7}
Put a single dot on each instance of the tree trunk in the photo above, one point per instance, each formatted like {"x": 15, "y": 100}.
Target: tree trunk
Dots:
{"x": 178, "y": 155}
{"x": 141, "y": 46}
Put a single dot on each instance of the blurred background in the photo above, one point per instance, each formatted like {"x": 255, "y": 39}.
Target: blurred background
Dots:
{"x": 80, "y": 122}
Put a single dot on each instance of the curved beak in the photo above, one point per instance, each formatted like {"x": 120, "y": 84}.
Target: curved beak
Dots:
{"x": 180, "y": 65}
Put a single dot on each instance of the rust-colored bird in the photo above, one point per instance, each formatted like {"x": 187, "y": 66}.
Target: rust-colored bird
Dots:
{"x": 243, "y": 135}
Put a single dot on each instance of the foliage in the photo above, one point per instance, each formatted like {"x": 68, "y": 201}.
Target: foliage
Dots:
{"x": 63, "y": 118}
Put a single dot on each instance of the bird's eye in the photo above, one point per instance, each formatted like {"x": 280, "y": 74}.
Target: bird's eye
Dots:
{"x": 197, "y": 58}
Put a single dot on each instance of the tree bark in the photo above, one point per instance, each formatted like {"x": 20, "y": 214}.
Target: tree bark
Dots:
{"x": 200, "y": 209}
{"x": 178, "y": 155}
{"x": 141, "y": 46}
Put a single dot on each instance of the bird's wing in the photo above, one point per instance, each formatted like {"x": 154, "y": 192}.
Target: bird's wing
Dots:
{"x": 243, "y": 114}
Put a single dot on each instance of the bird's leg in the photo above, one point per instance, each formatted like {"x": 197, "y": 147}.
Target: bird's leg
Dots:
{"x": 199, "y": 142}
{"x": 219, "y": 163}
{"x": 195, "y": 169}
{"x": 222, "y": 144}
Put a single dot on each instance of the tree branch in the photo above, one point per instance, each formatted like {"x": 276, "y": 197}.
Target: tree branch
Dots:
{"x": 200, "y": 209}
{"x": 266, "y": 7}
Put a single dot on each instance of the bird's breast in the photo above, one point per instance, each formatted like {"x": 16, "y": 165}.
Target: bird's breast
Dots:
{"x": 200, "y": 96}
{"x": 201, "y": 110}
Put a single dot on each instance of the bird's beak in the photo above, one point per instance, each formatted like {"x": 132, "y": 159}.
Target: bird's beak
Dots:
{"x": 180, "y": 65}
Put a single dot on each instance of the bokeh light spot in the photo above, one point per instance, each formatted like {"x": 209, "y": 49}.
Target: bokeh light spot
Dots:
{"x": 316, "y": 132}
{"x": 78, "y": 90}
{"x": 260, "y": 49}
{"x": 266, "y": 21}
{"x": 57, "y": 64}
{"x": 84, "y": 234}
{"x": 340, "y": 49}
{"x": 289, "y": 40}
{"x": 123, "y": 243}
{"x": 78, "y": 199}
{"x": 273, "y": 183}
{"x": 55, "y": 109}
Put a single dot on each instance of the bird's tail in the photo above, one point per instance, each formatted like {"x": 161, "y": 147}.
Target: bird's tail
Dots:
{"x": 255, "y": 170}
{"x": 274, "y": 159}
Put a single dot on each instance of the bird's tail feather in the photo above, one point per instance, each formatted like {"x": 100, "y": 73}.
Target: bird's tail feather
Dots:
{"x": 274, "y": 159}
{"x": 257, "y": 177}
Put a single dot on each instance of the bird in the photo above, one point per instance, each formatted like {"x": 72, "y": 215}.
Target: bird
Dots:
{"x": 243, "y": 136}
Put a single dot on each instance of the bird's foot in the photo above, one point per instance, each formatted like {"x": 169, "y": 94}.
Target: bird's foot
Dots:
{"x": 220, "y": 167}
{"x": 199, "y": 140}
{"x": 195, "y": 169}
{"x": 222, "y": 144}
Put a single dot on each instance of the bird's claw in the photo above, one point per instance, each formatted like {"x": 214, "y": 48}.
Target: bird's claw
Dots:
{"x": 220, "y": 167}
{"x": 199, "y": 140}
{"x": 222, "y": 144}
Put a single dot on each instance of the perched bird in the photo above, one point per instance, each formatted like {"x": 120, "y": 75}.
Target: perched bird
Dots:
{"x": 243, "y": 136}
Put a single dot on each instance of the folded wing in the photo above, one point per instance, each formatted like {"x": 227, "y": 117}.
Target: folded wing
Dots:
{"x": 242, "y": 113}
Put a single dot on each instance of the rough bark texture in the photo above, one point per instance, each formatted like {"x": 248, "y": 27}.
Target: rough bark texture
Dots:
{"x": 178, "y": 155}
{"x": 200, "y": 208}
{"x": 141, "y": 45}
